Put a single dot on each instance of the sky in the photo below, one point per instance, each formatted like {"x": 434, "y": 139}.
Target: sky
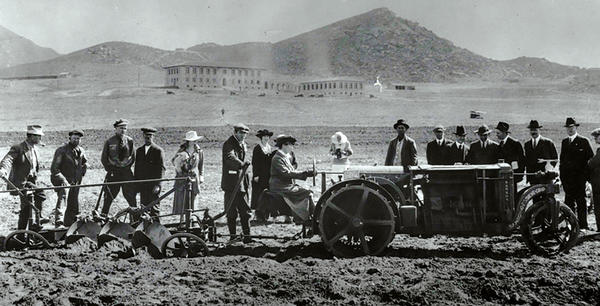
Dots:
{"x": 564, "y": 31}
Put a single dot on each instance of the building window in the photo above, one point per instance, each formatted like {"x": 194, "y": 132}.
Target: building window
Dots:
{"x": 187, "y": 69}
{"x": 194, "y": 70}
{"x": 214, "y": 81}
{"x": 258, "y": 73}
{"x": 207, "y": 80}
{"x": 266, "y": 85}
{"x": 194, "y": 80}
{"x": 215, "y": 71}
{"x": 245, "y": 72}
{"x": 239, "y": 81}
{"x": 187, "y": 79}
{"x": 360, "y": 86}
{"x": 251, "y": 72}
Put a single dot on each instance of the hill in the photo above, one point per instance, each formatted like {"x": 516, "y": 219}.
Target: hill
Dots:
{"x": 107, "y": 59}
{"x": 374, "y": 43}
{"x": 15, "y": 50}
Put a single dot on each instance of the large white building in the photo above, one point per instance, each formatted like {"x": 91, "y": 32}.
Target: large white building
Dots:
{"x": 343, "y": 86}
{"x": 204, "y": 76}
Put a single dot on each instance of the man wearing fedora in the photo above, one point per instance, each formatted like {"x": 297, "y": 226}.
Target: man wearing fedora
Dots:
{"x": 149, "y": 164}
{"x": 438, "y": 150}
{"x": 510, "y": 150}
{"x": 575, "y": 152}
{"x": 118, "y": 155}
{"x": 402, "y": 150}
{"x": 594, "y": 165}
{"x": 484, "y": 150}
{"x": 69, "y": 165}
{"x": 21, "y": 164}
{"x": 234, "y": 159}
{"x": 458, "y": 149}
{"x": 538, "y": 148}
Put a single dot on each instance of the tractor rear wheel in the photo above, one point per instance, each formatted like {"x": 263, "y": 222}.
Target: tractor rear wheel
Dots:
{"x": 25, "y": 240}
{"x": 356, "y": 220}
{"x": 539, "y": 235}
{"x": 184, "y": 245}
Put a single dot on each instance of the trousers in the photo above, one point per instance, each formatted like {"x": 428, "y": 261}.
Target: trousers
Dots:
{"x": 240, "y": 207}
{"x": 111, "y": 191}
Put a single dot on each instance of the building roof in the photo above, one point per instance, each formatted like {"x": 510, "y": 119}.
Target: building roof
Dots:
{"x": 213, "y": 64}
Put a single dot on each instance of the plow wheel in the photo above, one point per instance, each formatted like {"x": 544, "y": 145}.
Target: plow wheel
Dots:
{"x": 25, "y": 240}
{"x": 184, "y": 245}
{"x": 539, "y": 235}
{"x": 356, "y": 220}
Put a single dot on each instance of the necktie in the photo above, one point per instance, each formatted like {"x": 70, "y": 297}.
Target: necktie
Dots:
{"x": 502, "y": 143}
{"x": 534, "y": 143}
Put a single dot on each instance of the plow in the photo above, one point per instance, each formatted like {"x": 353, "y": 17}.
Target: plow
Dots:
{"x": 358, "y": 215}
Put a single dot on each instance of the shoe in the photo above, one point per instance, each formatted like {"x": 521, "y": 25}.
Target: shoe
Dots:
{"x": 288, "y": 220}
{"x": 248, "y": 239}
{"x": 56, "y": 212}
{"x": 233, "y": 238}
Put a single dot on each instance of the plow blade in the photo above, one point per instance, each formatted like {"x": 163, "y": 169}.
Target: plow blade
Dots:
{"x": 151, "y": 235}
{"x": 83, "y": 228}
{"x": 115, "y": 230}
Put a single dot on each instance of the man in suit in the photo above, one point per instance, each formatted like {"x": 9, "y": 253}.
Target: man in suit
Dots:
{"x": 21, "y": 164}
{"x": 402, "y": 150}
{"x": 458, "y": 149}
{"x": 511, "y": 151}
{"x": 594, "y": 165}
{"x": 438, "y": 150}
{"x": 575, "y": 152}
{"x": 536, "y": 149}
{"x": 149, "y": 164}
{"x": 484, "y": 150}
{"x": 68, "y": 168}
{"x": 234, "y": 159}
{"x": 118, "y": 155}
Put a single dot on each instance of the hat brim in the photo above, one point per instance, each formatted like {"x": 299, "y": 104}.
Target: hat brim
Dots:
{"x": 534, "y": 127}
{"x": 76, "y": 133}
{"x": 484, "y": 133}
{"x": 36, "y": 133}
{"x": 260, "y": 135}
{"x": 570, "y": 125}
{"x": 460, "y": 134}
{"x": 194, "y": 138}
{"x": 403, "y": 124}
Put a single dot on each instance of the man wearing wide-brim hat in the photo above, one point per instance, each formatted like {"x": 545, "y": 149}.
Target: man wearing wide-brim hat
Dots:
{"x": 511, "y": 150}
{"x": 484, "y": 150}
{"x": 594, "y": 165}
{"x": 459, "y": 149}
{"x": 575, "y": 152}
{"x": 69, "y": 165}
{"x": 538, "y": 148}
{"x": 402, "y": 150}
{"x": 234, "y": 159}
{"x": 118, "y": 155}
{"x": 21, "y": 165}
{"x": 149, "y": 164}
{"x": 438, "y": 150}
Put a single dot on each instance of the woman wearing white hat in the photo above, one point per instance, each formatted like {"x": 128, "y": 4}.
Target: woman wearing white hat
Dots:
{"x": 340, "y": 150}
{"x": 188, "y": 162}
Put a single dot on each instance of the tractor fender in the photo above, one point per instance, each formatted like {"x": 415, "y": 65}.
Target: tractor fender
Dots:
{"x": 368, "y": 183}
{"x": 527, "y": 196}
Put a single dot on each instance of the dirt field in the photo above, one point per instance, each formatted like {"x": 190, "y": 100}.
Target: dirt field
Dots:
{"x": 438, "y": 270}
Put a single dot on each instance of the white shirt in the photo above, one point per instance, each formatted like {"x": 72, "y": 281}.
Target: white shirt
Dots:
{"x": 503, "y": 141}
{"x": 146, "y": 148}
{"x": 484, "y": 143}
{"x": 535, "y": 141}
{"x": 571, "y": 138}
{"x": 440, "y": 141}
{"x": 398, "y": 159}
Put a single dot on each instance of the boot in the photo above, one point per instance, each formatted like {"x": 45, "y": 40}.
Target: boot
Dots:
{"x": 232, "y": 229}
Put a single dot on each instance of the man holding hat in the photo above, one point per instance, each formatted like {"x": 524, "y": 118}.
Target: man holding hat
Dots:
{"x": 68, "y": 168}
{"x": 594, "y": 165}
{"x": 510, "y": 150}
{"x": 438, "y": 150}
{"x": 402, "y": 150}
{"x": 484, "y": 150}
{"x": 575, "y": 152}
{"x": 536, "y": 149}
{"x": 21, "y": 164}
{"x": 118, "y": 155}
{"x": 458, "y": 149}
{"x": 149, "y": 164}
{"x": 234, "y": 159}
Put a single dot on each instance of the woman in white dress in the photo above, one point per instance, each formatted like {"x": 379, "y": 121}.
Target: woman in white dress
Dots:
{"x": 188, "y": 162}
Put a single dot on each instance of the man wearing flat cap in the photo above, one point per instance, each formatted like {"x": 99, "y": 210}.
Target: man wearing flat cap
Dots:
{"x": 21, "y": 164}
{"x": 537, "y": 149}
{"x": 594, "y": 165}
{"x": 459, "y": 149}
{"x": 68, "y": 168}
{"x": 484, "y": 150}
{"x": 511, "y": 151}
{"x": 438, "y": 150}
{"x": 575, "y": 152}
{"x": 118, "y": 155}
{"x": 402, "y": 150}
{"x": 234, "y": 159}
{"x": 149, "y": 164}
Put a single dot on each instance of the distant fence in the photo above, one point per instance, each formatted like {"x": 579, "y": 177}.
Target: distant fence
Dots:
{"x": 33, "y": 77}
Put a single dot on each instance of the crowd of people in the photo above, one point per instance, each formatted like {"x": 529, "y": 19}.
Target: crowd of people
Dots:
{"x": 271, "y": 188}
